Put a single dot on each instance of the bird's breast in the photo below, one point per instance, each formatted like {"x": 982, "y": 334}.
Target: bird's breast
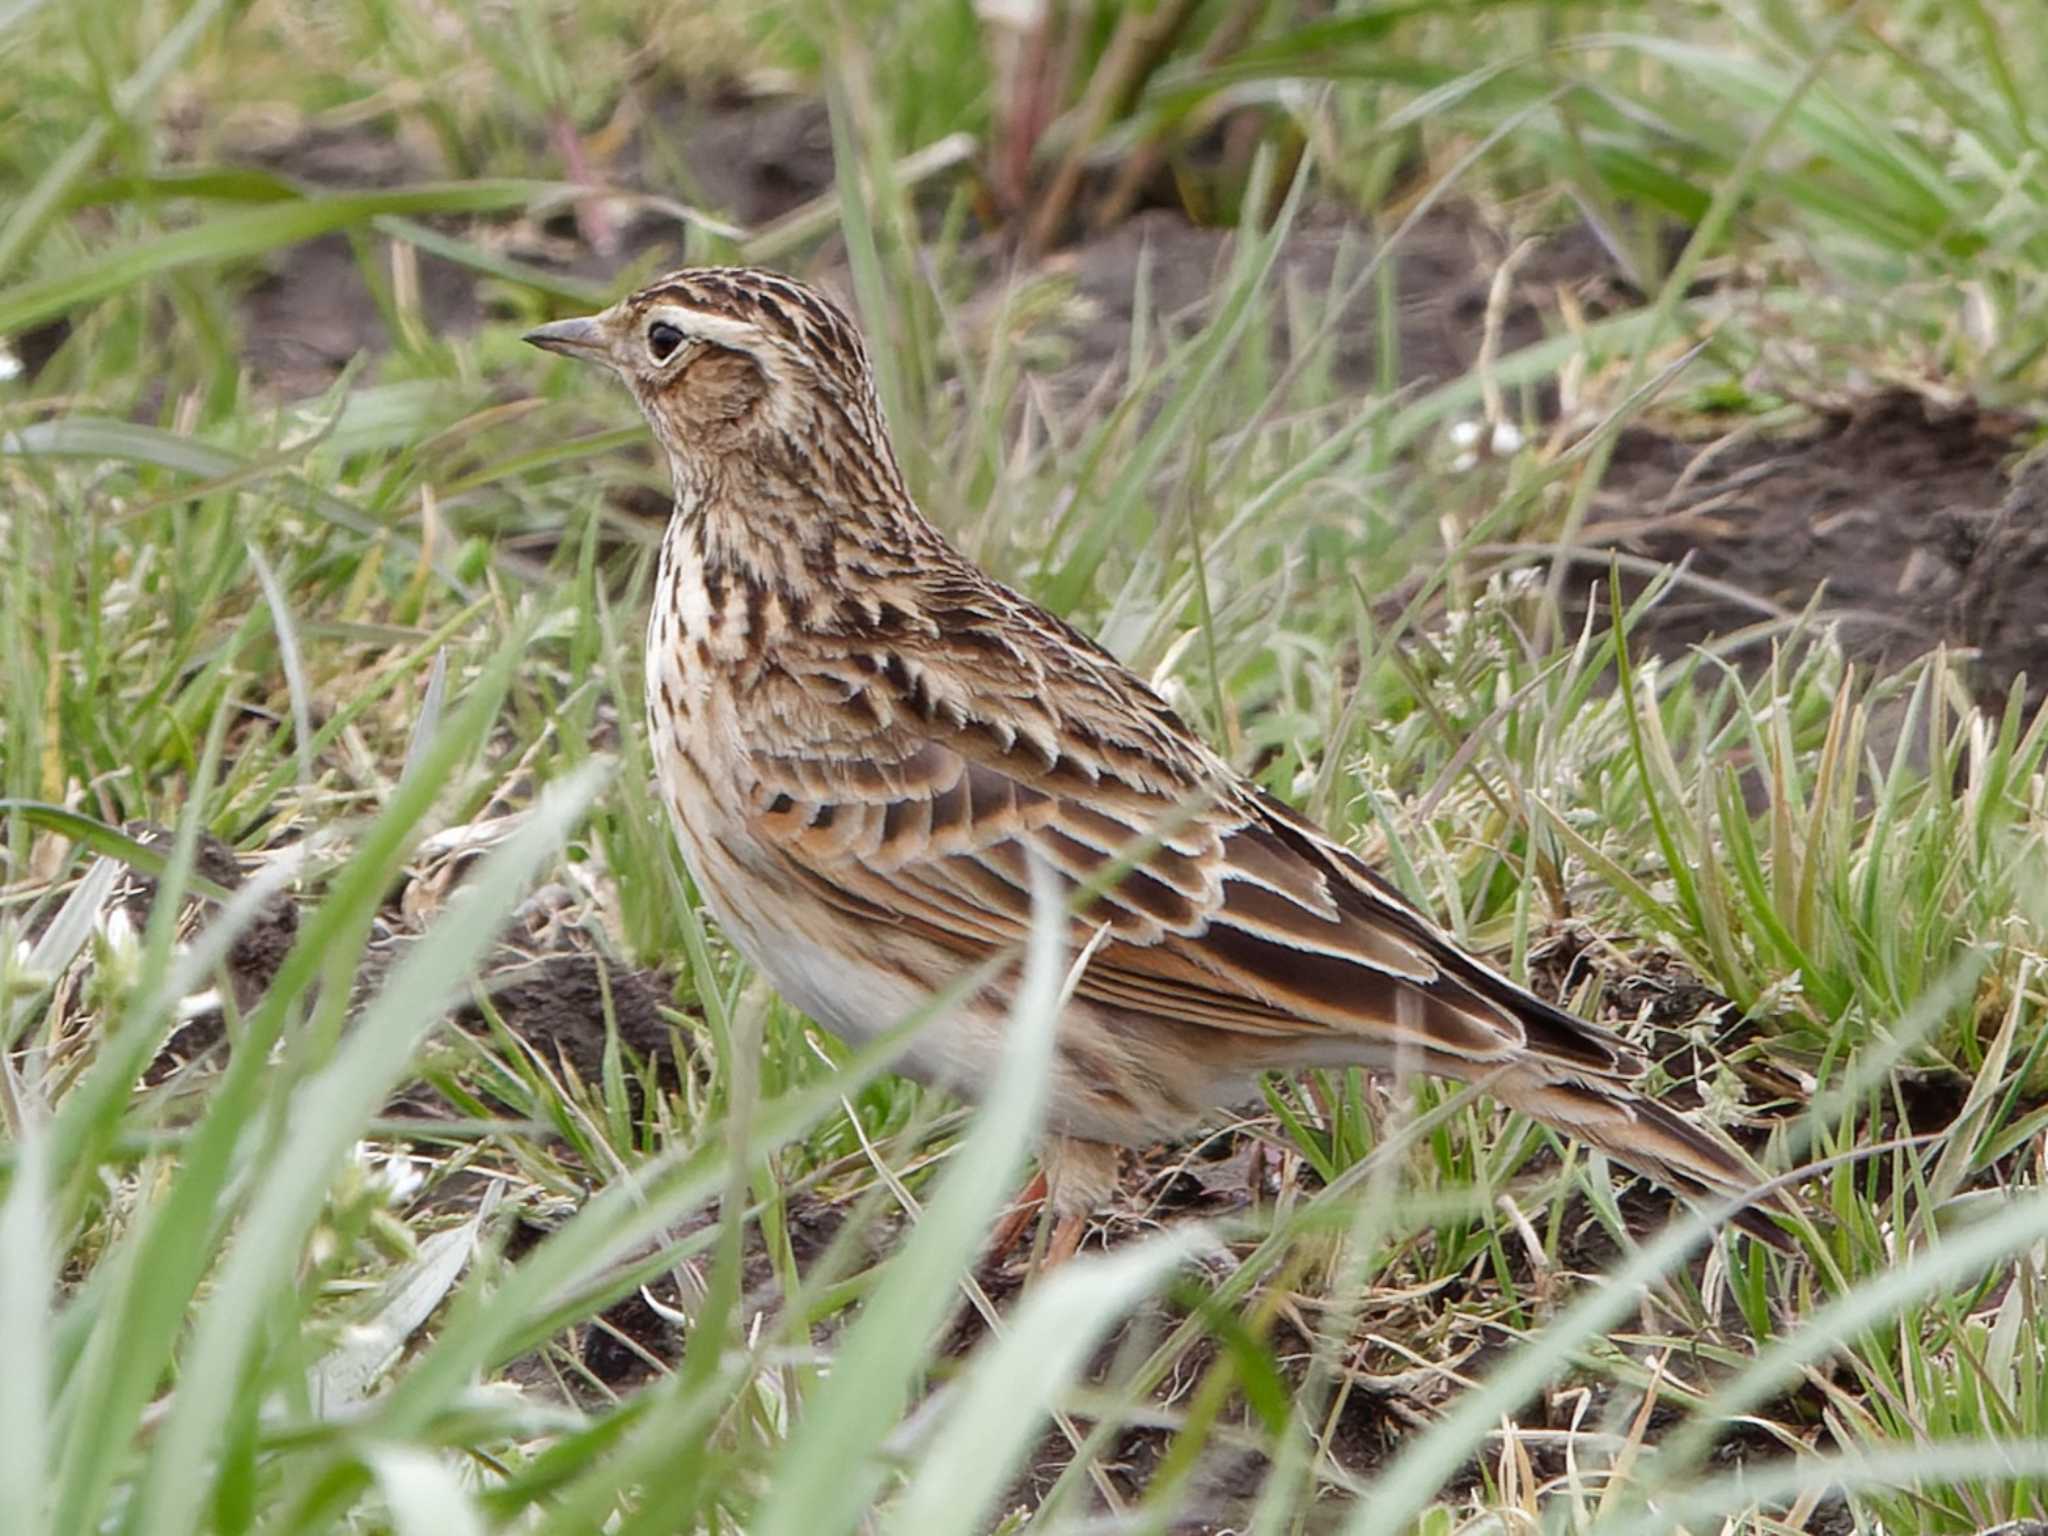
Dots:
{"x": 691, "y": 724}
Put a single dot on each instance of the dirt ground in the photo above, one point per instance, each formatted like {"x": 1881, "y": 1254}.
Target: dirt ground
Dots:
{"x": 1909, "y": 519}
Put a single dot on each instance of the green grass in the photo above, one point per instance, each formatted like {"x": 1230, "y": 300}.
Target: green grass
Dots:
{"x": 364, "y": 637}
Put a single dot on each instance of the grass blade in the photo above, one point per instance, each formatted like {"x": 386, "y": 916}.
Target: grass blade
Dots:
{"x": 1000, "y": 1407}
{"x": 245, "y": 233}
{"x": 335, "y": 1104}
{"x": 829, "y": 1477}
{"x": 28, "y": 1287}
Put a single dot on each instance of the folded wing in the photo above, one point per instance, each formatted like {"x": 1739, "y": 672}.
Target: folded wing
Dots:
{"x": 925, "y": 802}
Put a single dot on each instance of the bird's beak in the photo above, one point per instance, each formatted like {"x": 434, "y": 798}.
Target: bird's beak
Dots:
{"x": 581, "y": 337}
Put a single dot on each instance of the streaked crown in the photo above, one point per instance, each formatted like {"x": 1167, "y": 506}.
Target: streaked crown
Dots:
{"x": 742, "y": 367}
{"x": 752, "y": 310}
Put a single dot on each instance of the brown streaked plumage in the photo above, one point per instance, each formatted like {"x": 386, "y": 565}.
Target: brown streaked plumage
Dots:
{"x": 862, "y": 737}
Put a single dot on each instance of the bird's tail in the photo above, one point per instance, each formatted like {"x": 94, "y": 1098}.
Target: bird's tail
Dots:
{"x": 1660, "y": 1144}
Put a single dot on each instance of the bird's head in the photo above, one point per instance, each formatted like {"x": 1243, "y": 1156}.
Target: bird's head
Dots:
{"x": 732, "y": 362}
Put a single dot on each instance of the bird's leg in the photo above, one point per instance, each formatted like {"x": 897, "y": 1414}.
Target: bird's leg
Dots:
{"x": 1066, "y": 1241}
{"x": 1075, "y": 1179}
{"x": 1080, "y": 1176}
{"x": 1022, "y": 1211}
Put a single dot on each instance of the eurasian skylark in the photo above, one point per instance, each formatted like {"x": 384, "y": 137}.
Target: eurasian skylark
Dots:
{"x": 862, "y": 738}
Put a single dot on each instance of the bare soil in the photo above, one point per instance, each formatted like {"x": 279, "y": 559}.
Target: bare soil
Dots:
{"x": 1907, "y": 518}
{"x": 310, "y": 311}
{"x": 1914, "y": 523}
{"x": 1443, "y": 273}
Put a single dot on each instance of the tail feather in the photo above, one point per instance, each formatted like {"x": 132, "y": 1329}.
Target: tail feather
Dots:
{"x": 1655, "y": 1141}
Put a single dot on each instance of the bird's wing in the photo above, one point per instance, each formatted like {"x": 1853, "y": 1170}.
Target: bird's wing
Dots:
{"x": 914, "y": 795}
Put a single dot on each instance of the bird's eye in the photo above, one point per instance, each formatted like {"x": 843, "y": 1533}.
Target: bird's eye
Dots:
{"x": 663, "y": 339}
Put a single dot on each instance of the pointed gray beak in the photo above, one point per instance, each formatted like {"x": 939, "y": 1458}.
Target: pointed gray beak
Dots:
{"x": 581, "y": 337}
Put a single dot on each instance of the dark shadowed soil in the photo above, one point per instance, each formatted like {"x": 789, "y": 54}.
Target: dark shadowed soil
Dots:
{"x": 545, "y": 982}
{"x": 1908, "y": 519}
{"x": 310, "y": 311}
{"x": 1912, "y": 522}
{"x": 1443, "y": 270}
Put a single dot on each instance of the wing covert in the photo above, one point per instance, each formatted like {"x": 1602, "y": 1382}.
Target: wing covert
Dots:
{"x": 1233, "y": 914}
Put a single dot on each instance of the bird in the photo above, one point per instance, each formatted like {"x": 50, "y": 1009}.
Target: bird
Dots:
{"x": 866, "y": 743}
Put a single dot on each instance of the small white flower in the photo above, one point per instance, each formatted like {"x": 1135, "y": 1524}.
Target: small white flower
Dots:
{"x": 1781, "y": 994}
{"x": 1474, "y": 438}
{"x": 395, "y": 1175}
{"x": 199, "y": 1003}
{"x": 118, "y": 928}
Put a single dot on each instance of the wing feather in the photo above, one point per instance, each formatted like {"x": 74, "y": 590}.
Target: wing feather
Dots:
{"x": 1233, "y": 913}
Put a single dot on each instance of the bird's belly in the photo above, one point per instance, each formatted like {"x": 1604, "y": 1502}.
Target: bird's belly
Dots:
{"x": 822, "y": 960}
{"x": 860, "y": 980}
